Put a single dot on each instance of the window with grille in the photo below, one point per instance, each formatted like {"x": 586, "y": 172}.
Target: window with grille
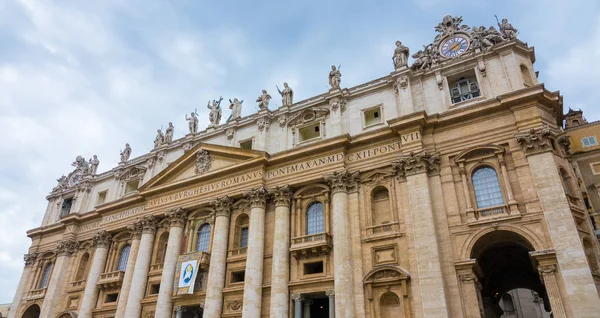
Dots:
{"x": 203, "y": 238}
{"x": 464, "y": 88}
{"x": 315, "y": 219}
{"x": 589, "y": 141}
{"x": 123, "y": 257}
{"x": 244, "y": 237}
{"x": 46, "y": 276}
{"x": 487, "y": 188}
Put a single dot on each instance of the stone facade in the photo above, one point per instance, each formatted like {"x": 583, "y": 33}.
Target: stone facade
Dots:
{"x": 433, "y": 191}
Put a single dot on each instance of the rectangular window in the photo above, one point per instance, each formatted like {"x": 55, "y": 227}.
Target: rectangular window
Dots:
{"x": 154, "y": 288}
{"x": 372, "y": 116}
{"x": 246, "y": 144}
{"x": 595, "y": 167}
{"x": 589, "y": 141}
{"x": 65, "y": 208}
{"x": 313, "y": 268}
{"x": 238, "y": 277}
{"x": 463, "y": 87}
{"x": 132, "y": 186}
{"x": 310, "y": 132}
{"x": 111, "y": 298}
{"x": 244, "y": 237}
{"x": 101, "y": 197}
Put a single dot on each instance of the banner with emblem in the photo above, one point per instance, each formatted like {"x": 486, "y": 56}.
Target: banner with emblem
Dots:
{"x": 187, "y": 271}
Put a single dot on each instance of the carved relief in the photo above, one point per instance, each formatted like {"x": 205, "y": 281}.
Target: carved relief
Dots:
{"x": 337, "y": 103}
{"x": 264, "y": 123}
{"x": 229, "y": 133}
{"x": 282, "y": 120}
{"x": 176, "y": 217}
{"x": 257, "y": 197}
{"x": 30, "y": 258}
{"x": 147, "y": 224}
{"x": 222, "y": 206}
{"x": 234, "y": 305}
{"x": 148, "y": 314}
{"x": 417, "y": 163}
{"x": 102, "y": 239}
{"x": 535, "y": 141}
{"x": 401, "y": 83}
{"x": 67, "y": 247}
{"x": 203, "y": 161}
{"x": 342, "y": 180}
{"x": 547, "y": 269}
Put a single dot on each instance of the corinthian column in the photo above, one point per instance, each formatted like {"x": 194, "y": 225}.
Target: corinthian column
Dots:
{"x": 29, "y": 259}
{"x": 281, "y": 253}
{"x": 164, "y": 304}
{"x": 102, "y": 241}
{"x": 416, "y": 168}
{"x": 339, "y": 182}
{"x": 136, "y": 234}
{"x": 64, "y": 250}
{"x": 142, "y": 264}
{"x": 218, "y": 256}
{"x": 256, "y": 248}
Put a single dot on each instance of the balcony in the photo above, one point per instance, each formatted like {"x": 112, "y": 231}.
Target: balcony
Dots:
{"x": 77, "y": 285}
{"x": 237, "y": 252}
{"x": 156, "y": 269}
{"x": 311, "y": 245}
{"x": 36, "y": 294}
{"x": 111, "y": 280}
{"x": 491, "y": 212}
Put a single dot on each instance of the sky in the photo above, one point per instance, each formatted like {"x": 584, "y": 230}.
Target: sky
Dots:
{"x": 85, "y": 77}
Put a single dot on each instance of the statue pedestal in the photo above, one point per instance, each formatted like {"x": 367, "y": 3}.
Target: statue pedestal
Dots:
{"x": 210, "y": 129}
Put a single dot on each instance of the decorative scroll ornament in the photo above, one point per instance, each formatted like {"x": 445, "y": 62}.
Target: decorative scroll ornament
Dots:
{"x": 203, "y": 161}
{"x": 234, "y": 305}
{"x": 535, "y": 141}
{"x": 417, "y": 163}
{"x": 282, "y": 195}
{"x": 147, "y": 224}
{"x": 136, "y": 229}
{"x": 263, "y": 123}
{"x": 176, "y": 217}
{"x": 102, "y": 239}
{"x": 30, "y": 258}
{"x": 565, "y": 143}
{"x": 257, "y": 197}
{"x": 342, "y": 180}
{"x": 67, "y": 247}
{"x": 337, "y": 103}
{"x": 222, "y": 206}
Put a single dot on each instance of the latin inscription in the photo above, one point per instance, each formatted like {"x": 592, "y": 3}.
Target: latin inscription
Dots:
{"x": 410, "y": 137}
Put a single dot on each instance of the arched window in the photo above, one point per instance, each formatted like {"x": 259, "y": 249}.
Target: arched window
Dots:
{"x": 487, "y": 188}
{"x": 123, "y": 257}
{"x": 240, "y": 238}
{"x": 526, "y": 76}
{"x": 508, "y": 305}
{"x": 244, "y": 237}
{"x": 203, "y": 238}
{"x": 46, "y": 275}
{"x": 565, "y": 179}
{"x": 315, "y": 219}
{"x": 389, "y": 305}
{"x": 83, "y": 263}
{"x": 161, "y": 248}
{"x": 380, "y": 205}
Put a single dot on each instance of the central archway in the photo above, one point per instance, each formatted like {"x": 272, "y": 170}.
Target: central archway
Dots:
{"x": 32, "y": 312}
{"x": 505, "y": 263}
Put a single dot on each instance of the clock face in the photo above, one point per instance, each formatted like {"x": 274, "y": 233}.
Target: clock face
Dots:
{"x": 74, "y": 179}
{"x": 454, "y": 46}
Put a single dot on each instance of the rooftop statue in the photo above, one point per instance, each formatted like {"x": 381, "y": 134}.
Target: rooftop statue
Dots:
{"x": 81, "y": 164}
{"x": 400, "y": 57}
{"x": 335, "y": 77}
{"x": 192, "y": 122}
{"x": 263, "y": 100}
{"x": 169, "y": 133}
{"x": 125, "y": 153}
{"x": 507, "y": 30}
{"x": 94, "y": 162}
{"x": 160, "y": 138}
{"x": 215, "y": 112}
{"x": 287, "y": 95}
{"x": 236, "y": 109}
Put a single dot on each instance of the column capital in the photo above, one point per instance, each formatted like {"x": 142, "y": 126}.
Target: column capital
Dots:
{"x": 222, "y": 206}
{"x": 547, "y": 269}
{"x": 145, "y": 224}
{"x": 342, "y": 181}
{"x": 535, "y": 140}
{"x": 176, "y": 217}
{"x": 30, "y": 258}
{"x": 282, "y": 195}
{"x": 257, "y": 197}
{"x": 415, "y": 163}
{"x": 468, "y": 278}
{"x": 330, "y": 293}
{"x": 297, "y": 297}
{"x": 136, "y": 229}
{"x": 67, "y": 247}
{"x": 102, "y": 239}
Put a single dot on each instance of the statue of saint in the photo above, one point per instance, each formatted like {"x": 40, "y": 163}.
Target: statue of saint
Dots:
{"x": 160, "y": 138}
{"x": 335, "y": 77}
{"x": 192, "y": 122}
{"x": 125, "y": 153}
{"x": 81, "y": 164}
{"x": 215, "y": 112}
{"x": 507, "y": 30}
{"x": 94, "y": 162}
{"x": 287, "y": 95}
{"x": 236, "y": 109}
{"x": 263, "y": 100}
{"x": 400, "y": 57}
{"x": 169, "y": 133}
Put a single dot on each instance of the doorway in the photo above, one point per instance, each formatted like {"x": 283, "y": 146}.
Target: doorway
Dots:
{"x": 319, "y": 308}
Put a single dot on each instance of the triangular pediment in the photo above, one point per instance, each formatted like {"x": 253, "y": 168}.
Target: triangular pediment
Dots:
{"x": 203, "y": 159}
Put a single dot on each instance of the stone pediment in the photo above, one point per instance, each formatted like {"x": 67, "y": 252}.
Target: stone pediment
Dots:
{"x": 202, "y": 160}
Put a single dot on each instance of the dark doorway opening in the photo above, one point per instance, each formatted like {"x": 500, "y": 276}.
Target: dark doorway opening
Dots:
{"x": 192, "y": 312}
{"x": 319, "y": 308}
{"x": 32, "y": 312}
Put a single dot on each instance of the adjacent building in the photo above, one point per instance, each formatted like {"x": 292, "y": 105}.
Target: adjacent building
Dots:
{"x": 433, "y": 191}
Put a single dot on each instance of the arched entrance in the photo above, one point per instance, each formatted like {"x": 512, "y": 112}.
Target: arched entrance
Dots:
{"x": 32, "y": 312}
{"x": 505, "y": 263}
